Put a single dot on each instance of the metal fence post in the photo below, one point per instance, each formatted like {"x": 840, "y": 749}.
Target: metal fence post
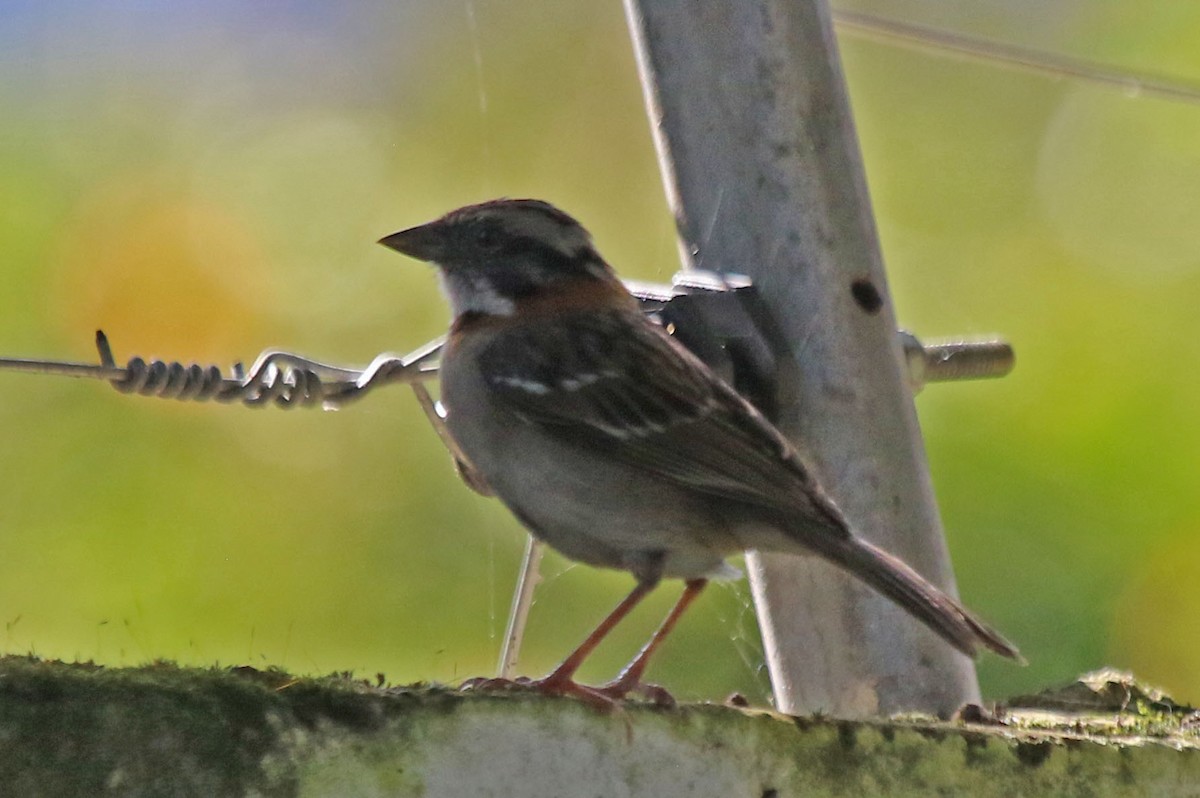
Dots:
{"x": 762, "y": 169}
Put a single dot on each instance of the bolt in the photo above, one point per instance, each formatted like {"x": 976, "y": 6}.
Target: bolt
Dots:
{"x": 955, "y": 360}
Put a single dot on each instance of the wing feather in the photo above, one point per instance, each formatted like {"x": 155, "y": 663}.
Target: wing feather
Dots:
{"x": 618, "y": 383}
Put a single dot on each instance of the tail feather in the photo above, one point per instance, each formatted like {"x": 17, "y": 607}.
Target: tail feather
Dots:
{"x": 895, "y": 579}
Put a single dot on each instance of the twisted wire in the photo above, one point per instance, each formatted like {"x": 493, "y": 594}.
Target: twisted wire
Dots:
{"x": 278, "y": 378}
{"x": 287, "y": 380}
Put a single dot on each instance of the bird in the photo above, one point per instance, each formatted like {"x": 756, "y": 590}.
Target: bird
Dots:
{"x": 614, "y": 444}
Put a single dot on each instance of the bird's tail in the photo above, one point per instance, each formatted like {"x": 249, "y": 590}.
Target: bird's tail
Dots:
{"x": 892, "y": 577}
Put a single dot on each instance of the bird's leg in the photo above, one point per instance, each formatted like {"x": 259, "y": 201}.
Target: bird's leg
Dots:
{"x": 630, "y": 678}
{"x": 561, "y": 680}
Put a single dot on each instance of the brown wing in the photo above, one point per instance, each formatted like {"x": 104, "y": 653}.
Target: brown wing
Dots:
{"x": 618, "y": 383}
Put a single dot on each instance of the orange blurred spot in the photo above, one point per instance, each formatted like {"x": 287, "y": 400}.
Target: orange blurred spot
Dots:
{"x": 162, "y": 273}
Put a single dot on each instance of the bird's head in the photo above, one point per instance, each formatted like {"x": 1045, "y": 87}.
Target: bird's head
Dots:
{"x": 494, "y": 254}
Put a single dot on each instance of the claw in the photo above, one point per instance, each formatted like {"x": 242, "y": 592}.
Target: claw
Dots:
{"x": 605, "y": 697}
{"x": 566, "y": 686}
{"x": 553, "y": 685}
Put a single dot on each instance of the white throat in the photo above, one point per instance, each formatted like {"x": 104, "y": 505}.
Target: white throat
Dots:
{"x": 477, "y": 296}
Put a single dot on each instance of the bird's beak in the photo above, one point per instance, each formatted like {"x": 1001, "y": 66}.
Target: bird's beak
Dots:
{"x": 426, "y": 242}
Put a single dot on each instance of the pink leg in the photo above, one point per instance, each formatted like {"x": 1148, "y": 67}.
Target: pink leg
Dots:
{"x": 561, "y": 680}
{"x": 630, "y": 678}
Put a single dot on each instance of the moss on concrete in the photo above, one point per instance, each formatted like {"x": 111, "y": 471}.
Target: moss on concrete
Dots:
{"x": 161, "y": 730}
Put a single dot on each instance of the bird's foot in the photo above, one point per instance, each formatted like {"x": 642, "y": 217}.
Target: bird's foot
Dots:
{"x": 554, "y": 684}
{"x": 605, "y": 697}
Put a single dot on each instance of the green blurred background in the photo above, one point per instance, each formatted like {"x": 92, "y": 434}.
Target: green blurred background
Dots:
{"x": 206, "y": 179}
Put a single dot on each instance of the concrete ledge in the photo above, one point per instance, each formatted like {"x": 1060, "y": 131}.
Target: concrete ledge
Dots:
{"x": 165, "y": 731}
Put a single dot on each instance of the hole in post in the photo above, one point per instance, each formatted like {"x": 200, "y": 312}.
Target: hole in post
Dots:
{"x": 866, "y": 295}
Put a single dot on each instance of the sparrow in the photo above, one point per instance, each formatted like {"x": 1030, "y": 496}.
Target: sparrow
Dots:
{"x": 614, "y": 444}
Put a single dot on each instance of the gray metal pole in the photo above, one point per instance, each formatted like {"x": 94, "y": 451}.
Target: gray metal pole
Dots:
{"x": 763, "y": 172}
